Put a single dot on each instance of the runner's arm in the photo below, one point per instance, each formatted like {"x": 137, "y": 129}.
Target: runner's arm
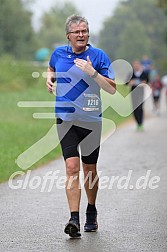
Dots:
{"x": 51, "y": 78}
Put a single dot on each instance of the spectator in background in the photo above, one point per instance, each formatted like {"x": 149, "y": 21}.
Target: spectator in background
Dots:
{"x": 164, "y": 83}
{"x": 146, "y": 63}
{"x": 139, "y": 77}
{"x": 153, "y": 73}
{"x": 156, "y": 86}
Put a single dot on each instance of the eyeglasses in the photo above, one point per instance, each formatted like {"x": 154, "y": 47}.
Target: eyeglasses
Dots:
{"x": 77, "y": 33}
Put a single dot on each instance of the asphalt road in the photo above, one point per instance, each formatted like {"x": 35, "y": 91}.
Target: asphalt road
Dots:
{"x": 131, "y": 203}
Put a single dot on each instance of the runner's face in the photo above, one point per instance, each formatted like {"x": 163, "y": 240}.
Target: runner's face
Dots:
{"x": 78, "y": 36}
{"x": 136, "y": 65}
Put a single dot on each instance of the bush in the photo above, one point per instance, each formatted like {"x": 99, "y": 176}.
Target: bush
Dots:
{"x": 17, "y": 75}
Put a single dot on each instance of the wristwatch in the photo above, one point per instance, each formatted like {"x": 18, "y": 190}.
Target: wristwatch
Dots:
{"x": 94, "y": 75}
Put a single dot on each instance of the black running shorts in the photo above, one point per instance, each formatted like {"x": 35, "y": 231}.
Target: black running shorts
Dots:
{"x": 84, "y": 135}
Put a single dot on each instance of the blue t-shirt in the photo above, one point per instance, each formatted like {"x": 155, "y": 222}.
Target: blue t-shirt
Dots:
{"x": 77, "y": 94}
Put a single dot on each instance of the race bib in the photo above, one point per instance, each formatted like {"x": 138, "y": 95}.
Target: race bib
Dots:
{"x": 91, "y": 102}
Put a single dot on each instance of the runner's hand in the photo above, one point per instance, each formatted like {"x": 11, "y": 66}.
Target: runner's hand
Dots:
{"x": 85, "y": 65}
{"x": 51, "y": 86}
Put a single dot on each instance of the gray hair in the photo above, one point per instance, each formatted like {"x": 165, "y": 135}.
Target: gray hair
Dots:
{"x": 75, "y": 19}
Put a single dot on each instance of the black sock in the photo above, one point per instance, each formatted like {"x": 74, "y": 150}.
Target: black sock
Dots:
{"x": 75, "y": 216}
{"x": 91, "y": 208}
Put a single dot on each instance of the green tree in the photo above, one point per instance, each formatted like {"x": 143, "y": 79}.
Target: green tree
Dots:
{"x": 16, "y": 33}
{"x": 136, "y": 28}
{"x": 52, "y": 29}
{"x": 132, "y": 38}
{"x": 163, "y": 4}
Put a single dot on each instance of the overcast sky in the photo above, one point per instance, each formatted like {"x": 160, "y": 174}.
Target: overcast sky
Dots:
{"x": 94, "y": 10}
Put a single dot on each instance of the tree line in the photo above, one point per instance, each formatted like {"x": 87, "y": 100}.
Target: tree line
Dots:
{"x": 135, "y": 28}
